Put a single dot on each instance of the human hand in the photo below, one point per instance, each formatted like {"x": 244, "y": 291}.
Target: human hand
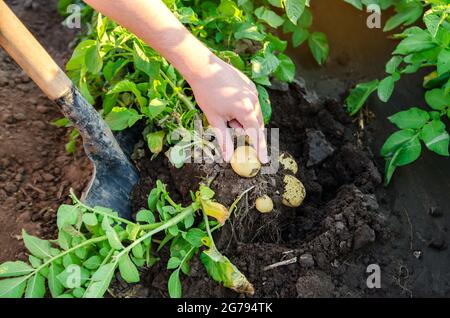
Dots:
{"x": 230, "y": 99}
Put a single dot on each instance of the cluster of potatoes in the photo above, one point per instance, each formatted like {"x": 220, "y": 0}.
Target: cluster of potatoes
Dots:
{"x": 245, "y": 163}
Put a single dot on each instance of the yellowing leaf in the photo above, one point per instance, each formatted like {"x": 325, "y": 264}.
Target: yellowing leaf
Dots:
{"x": 216, "y": 210}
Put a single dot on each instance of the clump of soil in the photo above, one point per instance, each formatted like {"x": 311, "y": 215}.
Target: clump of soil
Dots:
{"x": 339, "y": 216}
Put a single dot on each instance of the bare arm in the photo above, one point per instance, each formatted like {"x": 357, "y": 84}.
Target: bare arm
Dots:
{"x": 226, "y": 96}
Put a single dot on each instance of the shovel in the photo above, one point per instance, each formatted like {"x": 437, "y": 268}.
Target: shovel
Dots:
{"x": 114, "y": 176}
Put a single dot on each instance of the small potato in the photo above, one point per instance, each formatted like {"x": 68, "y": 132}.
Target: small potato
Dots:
{"x": 264, "y": 204}
{"x": 294, "y": 192}
{"x": 288, "y": 163}
{"x": 245, "y": 162}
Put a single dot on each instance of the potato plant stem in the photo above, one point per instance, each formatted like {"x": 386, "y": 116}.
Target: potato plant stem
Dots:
{"x": 173, "y": 221}
{"x": 84, "y": 206}
{"x": 176, "y": 89}
{"x": 51, "y": 260}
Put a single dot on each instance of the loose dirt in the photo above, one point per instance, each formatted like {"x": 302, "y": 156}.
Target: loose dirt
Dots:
{"x": 36, "y": 173}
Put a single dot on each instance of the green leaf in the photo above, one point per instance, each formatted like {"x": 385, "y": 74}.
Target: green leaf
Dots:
{"x": 275, "y": 3}
{"x": 36, "y": 246}
{"x": 35, "y": 286}
{"x": 146, "y": 216}
{"x": 64, "y": 240}
{"x": 306, "y": 19}
{"x": 100, "y": 281}
{"x": 278, "y": 45}
{"x": 415, "y": 42}
{"x": 153, "y": 198}
{"x": 268, "y": 16}
{"x": 90, "y": 219}
{"x": 299, "y": 36}
{"x": 264, "y": 102}
{"x": 249, "y": 31}
{"x": 13, "y": 287}
{"x": 93, "y": 60}
{"x": 156, "y": 107}
{"x": 62, "y": 122}
{"x": 264, "y": 65}
{"x": 54, "y": 285}
{"x": 410, "y": 152}
{"x": 78, "y": 56}
{"x": 228, "y": 8}
{"x": 435, "y": 137}
{"x": 143, "y": 63}
{"x": 286, "y": 69}
{"x": 194, "y": 237}
{"x": 174, "y": 285}
{"x": 386, "y": 88}
{"x": 73, "y": 276}
{"x": 78, "y": 292}
{"x": 356, "y": 3}
{"x": 437, "y": 99}
{"x": 433, "y": 22}
{"x": 93, "y": 262}
{"x": 67, "y": 215}
{"x": 155, "y": 141}
{"x": 128, "y": 86}
{"x": 128, "y": 270}
{"x": 359, "y": 95}
{"x": 443, "y": 63}
{"x": 121, "y": 117}
{"x": 138, "y": 251}
{"x": 414, "y": 118}
{"x": 294, "y": 9}
{"x": 407, "y": 13}
{"x": 174, "y": 262}
{"x": 113, "y": 239}
{"x": 34, "y": 261}
{"x": 173, "y": 230}
{"x": 13, "y": 269}
{"x": 206, "y": 193}
{"x": 395, "y": 141}
{"x": 318, "y": 43}
{"x": 393, "y": 64}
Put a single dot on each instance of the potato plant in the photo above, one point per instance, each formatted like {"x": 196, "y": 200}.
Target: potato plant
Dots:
{"x": 420, "y": 47}
{"x": 130, "y": 82}
{"x": 94, "y": 243}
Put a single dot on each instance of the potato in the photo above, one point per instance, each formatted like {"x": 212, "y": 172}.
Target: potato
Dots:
{"x": 288, "y": 163}
{"x": 264, "y": 204}
{"x": 294, "y": 192}
{"x": 245, "y": 162}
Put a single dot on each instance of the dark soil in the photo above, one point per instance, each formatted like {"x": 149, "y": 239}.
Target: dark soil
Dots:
{"x": 339, "y": 219}
{"x": 36, "y": 173}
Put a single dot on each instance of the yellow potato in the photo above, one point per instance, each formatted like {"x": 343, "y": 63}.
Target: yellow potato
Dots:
{"x": 245, "y": 162}
{"x": 288, "y": 163}
{"x": 264, "y": 204}
{"x": 294, "y": 192}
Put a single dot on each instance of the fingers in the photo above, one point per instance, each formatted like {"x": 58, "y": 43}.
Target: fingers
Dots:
{"x": 254, "y": 130}
{"x": 259, "y": 115}
{"x": 224, "y": 139}
{"x": 237, "y": 127}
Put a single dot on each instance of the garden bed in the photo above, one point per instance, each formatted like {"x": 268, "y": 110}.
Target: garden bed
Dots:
{"x": 338, "y": 220}
{"x": 347, "y": 222}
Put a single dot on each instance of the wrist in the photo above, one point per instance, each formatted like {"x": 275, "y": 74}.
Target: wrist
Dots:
{"x": 197, "y": 62}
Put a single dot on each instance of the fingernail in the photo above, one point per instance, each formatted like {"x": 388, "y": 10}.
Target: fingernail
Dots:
{"x": 264, "y": 158}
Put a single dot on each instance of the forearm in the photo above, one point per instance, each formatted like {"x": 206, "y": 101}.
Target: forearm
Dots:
{"x": 153, "y": 22}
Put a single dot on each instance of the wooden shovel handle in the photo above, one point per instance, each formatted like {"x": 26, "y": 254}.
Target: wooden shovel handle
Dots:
{"x": 30, "y": 55}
